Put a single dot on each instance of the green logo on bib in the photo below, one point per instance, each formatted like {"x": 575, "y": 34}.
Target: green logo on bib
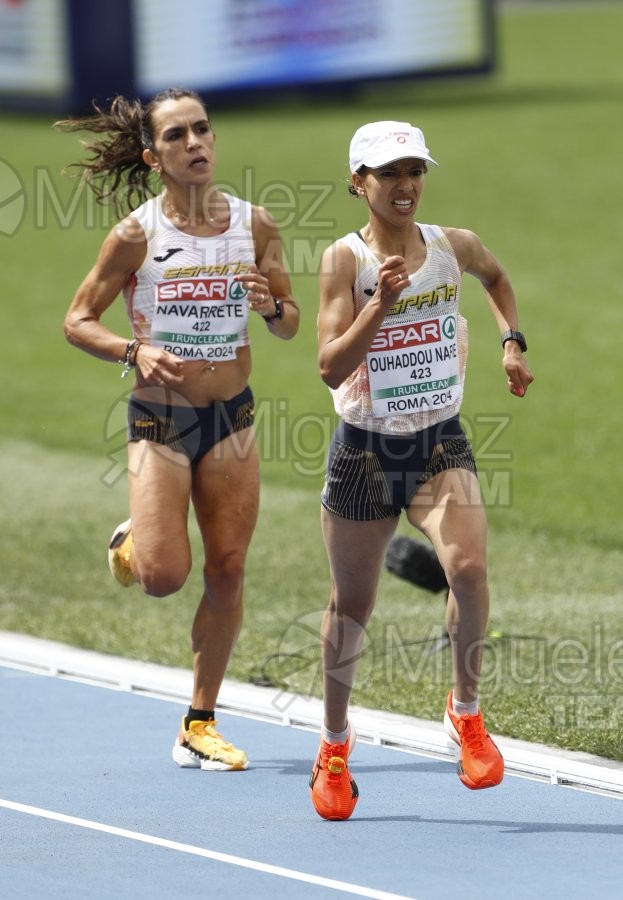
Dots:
{"x": 449, "y": 327}
{"x": 237, "y": 291}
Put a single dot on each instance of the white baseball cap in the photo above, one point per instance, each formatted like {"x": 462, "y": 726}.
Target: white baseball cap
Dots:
{"x": 379, "y": 143}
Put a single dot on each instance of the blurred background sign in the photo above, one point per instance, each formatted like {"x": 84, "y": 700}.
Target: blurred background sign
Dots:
{"x": 250, "y": 44}
{"x": 34, "y": 54}
{"x": 65, "y": 53}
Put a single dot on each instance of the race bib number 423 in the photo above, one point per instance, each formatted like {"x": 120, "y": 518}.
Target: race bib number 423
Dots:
{"x": 413, "y": 367}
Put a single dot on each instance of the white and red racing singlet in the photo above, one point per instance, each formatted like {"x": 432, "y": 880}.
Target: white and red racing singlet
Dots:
{"x": 414, "y": 371}
{"x": 184, "y": 297}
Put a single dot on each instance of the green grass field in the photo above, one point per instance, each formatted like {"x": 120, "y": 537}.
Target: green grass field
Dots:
{"x": 530, "y": 160}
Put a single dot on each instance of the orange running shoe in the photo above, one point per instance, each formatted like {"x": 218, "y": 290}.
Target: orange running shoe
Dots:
{"x": 480, "y": 762}
{"x": 333, "y": 792}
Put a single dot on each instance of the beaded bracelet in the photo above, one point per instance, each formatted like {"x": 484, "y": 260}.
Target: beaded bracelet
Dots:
{"x": 129, "y": 357}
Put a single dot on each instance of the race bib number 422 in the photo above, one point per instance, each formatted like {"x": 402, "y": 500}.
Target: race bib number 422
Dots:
{"x": 200, "y": 318}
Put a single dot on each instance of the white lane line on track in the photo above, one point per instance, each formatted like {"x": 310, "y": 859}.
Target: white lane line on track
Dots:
{"x": 281, "y": 872}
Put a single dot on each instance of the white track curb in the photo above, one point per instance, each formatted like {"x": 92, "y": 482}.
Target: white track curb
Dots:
{"x": 558, "y": 767}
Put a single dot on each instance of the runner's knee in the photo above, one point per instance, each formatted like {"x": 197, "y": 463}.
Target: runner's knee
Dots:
{"x": 465, "y": 571}
{"x": 162, "y": 577}
{"x": 223, "y": 576}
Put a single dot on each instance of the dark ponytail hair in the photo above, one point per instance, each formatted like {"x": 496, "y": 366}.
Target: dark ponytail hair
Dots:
{"x": 116, "y": 160}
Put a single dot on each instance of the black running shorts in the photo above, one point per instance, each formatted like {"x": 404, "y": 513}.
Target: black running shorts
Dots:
{"x": 192, "y": 430}
{"x": 375, "y": 476}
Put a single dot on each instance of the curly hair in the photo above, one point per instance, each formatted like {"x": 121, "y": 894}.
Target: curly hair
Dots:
{"x": 115, "y": 170}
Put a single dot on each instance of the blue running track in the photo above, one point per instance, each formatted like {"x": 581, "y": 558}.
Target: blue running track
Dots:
{"x": 92, "y": 807}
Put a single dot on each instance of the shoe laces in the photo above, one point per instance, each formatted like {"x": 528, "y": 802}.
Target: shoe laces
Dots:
{"x": 208, "y": 728}
{"x": 472, "y": 732}
{"x": 124, "y": 551}
{"x": 334, "y": 757}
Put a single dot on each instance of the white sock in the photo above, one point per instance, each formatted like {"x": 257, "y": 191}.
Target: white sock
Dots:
{"x": 465, "y": 709}
{"x": 335, "y": 737}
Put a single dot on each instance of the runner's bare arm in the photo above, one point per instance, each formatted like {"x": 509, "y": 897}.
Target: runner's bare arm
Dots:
{"x": 343, "y": 339}
{"x": 475, "y": 259}
{"x": 121, "y": 254}
{"x": 271, "y": 267}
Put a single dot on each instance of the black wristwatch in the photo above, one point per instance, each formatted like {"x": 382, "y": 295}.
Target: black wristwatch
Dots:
{"x": 278, "y": 314}
{"x": 512, "y": 335}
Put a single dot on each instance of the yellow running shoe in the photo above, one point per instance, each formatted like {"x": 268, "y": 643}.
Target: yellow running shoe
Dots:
{"x": 480, "y": 762}
{"x": 333, "y": 792}
{"x": 119, "y": 550}
{"x": 200, "y": 746}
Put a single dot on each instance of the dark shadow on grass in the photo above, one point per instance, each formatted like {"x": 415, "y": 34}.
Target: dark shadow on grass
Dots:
{"x": 439, "y": 95}
{"x": 533, "y": 95}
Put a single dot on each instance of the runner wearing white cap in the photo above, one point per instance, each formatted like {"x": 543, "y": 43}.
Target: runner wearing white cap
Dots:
{"x": 393, "y": 351}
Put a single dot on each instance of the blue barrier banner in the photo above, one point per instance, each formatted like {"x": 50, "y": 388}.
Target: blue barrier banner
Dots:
{"x": 64, "y": 54}
{"x": 234, "y": 45}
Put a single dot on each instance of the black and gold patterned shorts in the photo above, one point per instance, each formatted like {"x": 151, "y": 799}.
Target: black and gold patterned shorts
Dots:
{"x": 375, "y": 476}
{"x": 192, "y": 430}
